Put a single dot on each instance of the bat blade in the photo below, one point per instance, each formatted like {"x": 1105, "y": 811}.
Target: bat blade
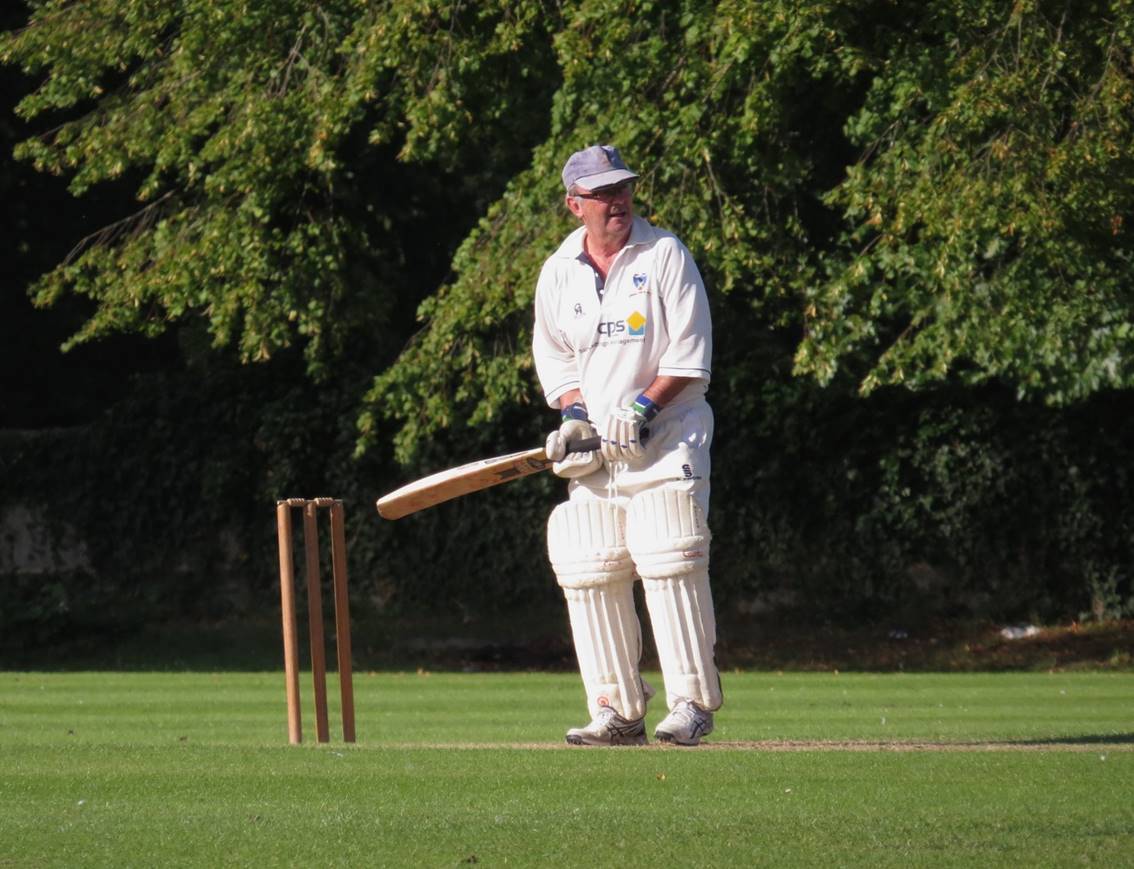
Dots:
{"x": 465, "y": 479}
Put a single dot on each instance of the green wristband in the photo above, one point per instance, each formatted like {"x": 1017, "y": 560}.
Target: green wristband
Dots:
{"x": 646, "y": 407}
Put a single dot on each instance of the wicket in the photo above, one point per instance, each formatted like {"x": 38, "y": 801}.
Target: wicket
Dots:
{"x": 315, "y": 616}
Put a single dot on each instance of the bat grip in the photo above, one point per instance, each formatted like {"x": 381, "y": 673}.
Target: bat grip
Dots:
{"x": 585, "y": 445}
{"x": 593, "y": 443}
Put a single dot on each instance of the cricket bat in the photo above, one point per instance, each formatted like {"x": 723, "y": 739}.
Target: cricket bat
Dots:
{"x": 446, "y": 485}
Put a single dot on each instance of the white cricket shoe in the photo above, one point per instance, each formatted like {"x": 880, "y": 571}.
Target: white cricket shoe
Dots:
{"x": 609, "y": 728}
{"x": 685, "y": 725}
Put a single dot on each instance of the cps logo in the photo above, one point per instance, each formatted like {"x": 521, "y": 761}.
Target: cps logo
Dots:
{"x": 635, "y": 324}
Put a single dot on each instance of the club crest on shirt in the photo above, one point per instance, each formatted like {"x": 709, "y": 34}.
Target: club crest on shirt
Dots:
{"x": 579, "y": 311}
{"x": 640, "y": 282}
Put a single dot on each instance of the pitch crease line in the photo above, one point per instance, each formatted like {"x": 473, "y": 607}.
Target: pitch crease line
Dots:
{"x": 780, "y": 746}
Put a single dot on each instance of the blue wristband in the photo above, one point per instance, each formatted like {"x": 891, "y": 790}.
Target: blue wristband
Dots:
{"x": 578, "y": 410}
{"x": 646, "y": 407}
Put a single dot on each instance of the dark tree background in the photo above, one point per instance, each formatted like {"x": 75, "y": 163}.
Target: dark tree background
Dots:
{"x": 268, "y": 249}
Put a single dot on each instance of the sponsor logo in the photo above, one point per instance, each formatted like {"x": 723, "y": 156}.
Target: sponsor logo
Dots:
{"x": 579, "y": 311}
{"x": 611, "y": 327}
{"x": 603, "y": 700}
{"x": 634, "y": 325}
{"x": 687, "y": 470}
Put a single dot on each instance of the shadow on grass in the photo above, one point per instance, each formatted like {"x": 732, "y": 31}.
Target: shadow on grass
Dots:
{"x": 946, "y": 647}
{"x": 540, "y": 641}
{"x": 256, "y": 646}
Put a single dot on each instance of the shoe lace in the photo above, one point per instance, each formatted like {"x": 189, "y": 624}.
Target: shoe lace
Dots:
{"x": 605, "y": 714}
{"x": 684, "y": 714}
{"x": 688, "y": 713}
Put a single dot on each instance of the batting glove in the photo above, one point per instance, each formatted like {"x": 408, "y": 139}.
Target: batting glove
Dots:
{"x": 624, "y": 432}
{"x": 575, "y": 427}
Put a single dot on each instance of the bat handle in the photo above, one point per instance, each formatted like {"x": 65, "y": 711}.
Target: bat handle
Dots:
{"x": 593, "y": 443}
{"x": 585, "y": 445}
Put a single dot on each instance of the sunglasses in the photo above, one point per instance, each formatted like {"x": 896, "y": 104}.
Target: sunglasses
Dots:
{"x": 607, "y": 194}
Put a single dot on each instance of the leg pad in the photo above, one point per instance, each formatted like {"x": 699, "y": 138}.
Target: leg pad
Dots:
{"x": 669, "y": 541}
{"x": 586, "y": 543}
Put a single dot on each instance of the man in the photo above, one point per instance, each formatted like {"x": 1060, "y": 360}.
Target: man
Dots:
{"x": 622, "y": 346}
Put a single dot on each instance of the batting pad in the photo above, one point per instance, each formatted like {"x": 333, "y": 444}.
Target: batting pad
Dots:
{"x": 669, "y": 541}
{"x": 586, "y": 541}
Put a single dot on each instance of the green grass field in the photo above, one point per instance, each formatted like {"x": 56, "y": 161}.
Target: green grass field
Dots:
{"x": 160, "y": 769}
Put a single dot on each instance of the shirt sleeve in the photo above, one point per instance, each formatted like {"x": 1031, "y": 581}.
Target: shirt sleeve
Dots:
{"x": 689, "y": 324}
{"x": 555, "y": 362}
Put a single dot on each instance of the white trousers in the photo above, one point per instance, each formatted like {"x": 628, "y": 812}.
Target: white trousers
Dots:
{"x": 644, "y": 519}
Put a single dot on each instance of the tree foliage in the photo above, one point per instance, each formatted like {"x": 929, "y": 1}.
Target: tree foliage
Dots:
{"x": 986, "y": 226}
{"x": 905, "y": 193}
{"x": 915, "y": 192}
{"x": 248, "y": 130}
{"x": 880, "y": 194}
{"x": 709, "y": 101}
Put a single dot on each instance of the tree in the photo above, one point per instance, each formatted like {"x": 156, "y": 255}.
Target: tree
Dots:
{"x": 730, "y": 112}
{"x": 904, "y": 193}
{"x": 878, "y": 193}
{"x": 928, "y": 192}
{"x": 986, "y": 233}
{"x": 264, "y": 139}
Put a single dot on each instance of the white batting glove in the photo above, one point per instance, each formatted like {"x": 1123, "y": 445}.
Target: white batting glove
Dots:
{"x": 570, "y": 465}
{"x": 624, "y": 433}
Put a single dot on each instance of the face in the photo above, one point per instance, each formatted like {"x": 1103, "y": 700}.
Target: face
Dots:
{"x": 607, "y": 213}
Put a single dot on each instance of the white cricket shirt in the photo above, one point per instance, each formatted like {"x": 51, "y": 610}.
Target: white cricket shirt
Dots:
{"x": 653, "y": 318}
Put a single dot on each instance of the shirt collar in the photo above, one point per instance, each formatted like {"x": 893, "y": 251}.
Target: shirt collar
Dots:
{"x": 641, "y": 232}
